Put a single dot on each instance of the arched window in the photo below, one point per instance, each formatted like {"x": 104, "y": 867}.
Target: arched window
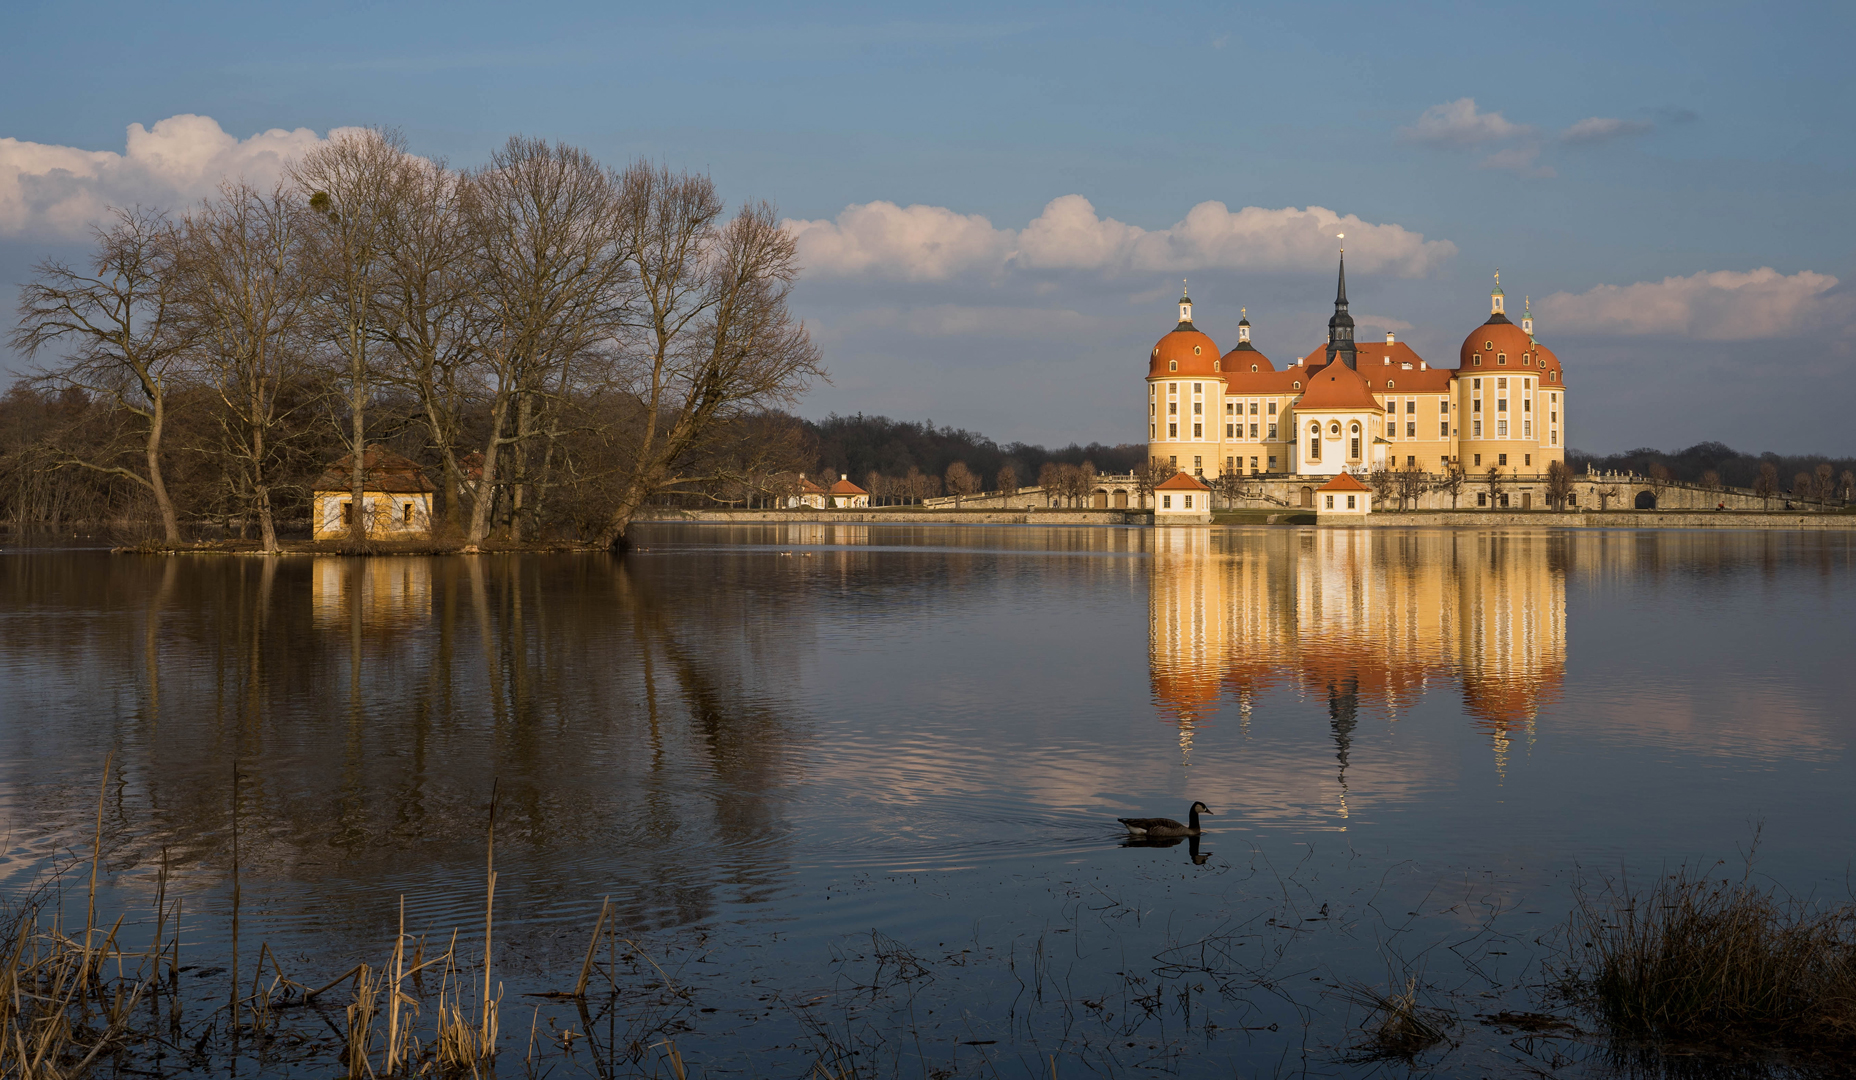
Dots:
{"x": 1298, "y": 384}
{"x": 1501, "y": 359}
{"x": 1390, "y": 384}
{"x": 1354, "y": 448}
{"x": 1253, "y": 367}
{"x": 1217, "y": 365}
{"x": 1314, "y": 442}
{"x": 1476, "y": 360}
{"x": 1172, "y": 365}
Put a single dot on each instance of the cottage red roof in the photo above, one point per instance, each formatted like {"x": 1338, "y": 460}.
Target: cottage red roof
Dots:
{"x": 807, "y": 487}
{"x": 845, "y": 487}
{"x": 1343, "y": 482}
{"x": 1182, "y": 482}
{"x": 381, "y": 470}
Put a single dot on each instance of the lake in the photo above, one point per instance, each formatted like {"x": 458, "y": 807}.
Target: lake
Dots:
{"x": 850, "y": 791}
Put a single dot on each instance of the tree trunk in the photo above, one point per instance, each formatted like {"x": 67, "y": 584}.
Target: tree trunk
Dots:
{"x": 170, "y": 523}
{"x": 357, "y": 523}
{"x": 486, "y": 486}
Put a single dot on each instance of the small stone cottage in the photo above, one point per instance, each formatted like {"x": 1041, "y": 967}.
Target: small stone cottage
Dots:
{"x": 396, "y": 498}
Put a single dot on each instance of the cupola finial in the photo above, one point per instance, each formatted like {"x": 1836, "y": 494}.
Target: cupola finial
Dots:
{"x": 1527, "y": 317}
{"x": 1496, "y": 300}
{"x": 1185, "y": 306}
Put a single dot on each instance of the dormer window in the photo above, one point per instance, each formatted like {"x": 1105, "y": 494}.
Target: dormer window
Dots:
{"x": 1196, "y": 350}
{"x": 1172, "y": 365}
{"x": 1217, "y": 365}
{"x": 1501, "y": 359}
{"x": 1488, "y": 345}
{"x": 1298, "y": 384}
{"x": 1476, "y": 360}
{"x": 1390, "y": 384}
{"x": 1253, "y": 367}
{"x": 1404, "y": 367}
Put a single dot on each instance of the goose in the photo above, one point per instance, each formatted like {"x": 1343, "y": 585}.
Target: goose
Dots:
{"x": 1162, "y": 826}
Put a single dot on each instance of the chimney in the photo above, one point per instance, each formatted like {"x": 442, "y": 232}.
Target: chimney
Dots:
{"x": 1388, "y": 361}
{"x": 844, "y": 476}
{"x": 1422, "y": 366}
{"x": 1389, "y": 337}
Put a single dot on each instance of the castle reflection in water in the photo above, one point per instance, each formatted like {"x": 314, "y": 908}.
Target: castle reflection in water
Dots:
{"x": 1367, "y": 619}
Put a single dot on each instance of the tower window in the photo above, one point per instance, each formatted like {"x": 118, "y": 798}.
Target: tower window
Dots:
{"x": 1501, "y": 359}
{"x": 1198, "y": 388}
{"x": 1172, "y": 365}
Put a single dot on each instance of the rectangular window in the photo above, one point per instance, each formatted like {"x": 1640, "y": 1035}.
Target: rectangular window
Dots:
{"x": 1350, "y": 499}
{"x": 1356, "y": 448}
{"x": 1501, "y": 404}
{"x": 1150, "y": 408}
{"x": 1150, "y": 431}
{"x": 1198, "y": 469}
{"x": 1476, "y": 429}
{"x": 1443, "y": 430}
{"x": 1172, "y": 431}
{"x": 1527, "y": 404}
{"x": 1198, "y": 388}
{"x": 1411, "y": 430}
{"x": 1253, "y": 408}
{"x": 1172, "y": 409}
{"x": 1330, "y": 499}
{"x": 1477, "y": 384}
{"x": 1502, "y": 460}
{"x": 1253, "y": 463}
{"x": 347, "y": 513}
{"x": 1188, "y": 502}
{"x": 1272, "y": 408}
{"x": 1482, "y": 498}
{"x": 1527, "y": 429}
{"x": 1411, "y": 405}
{"x": 1475, "y": 406}
{"x": 1501, "y": 384}
{"x": 1198, "y": 408}
{"x": 1555, "y": 440}
{"x": 1272, "y": 462}
{"x": 1253, "y": 431}
{"x": 1172, "y": 461}
{"x": 1272, "y": 432}
{"x": 406, "y": 515}
{"x": 1230, "y": 464}
{"x": 1411, "y": 462}
{"x": 1172, "y": 388}
{"x": 1553, "y": 417}
{"x": 1227, "y": 408}
{"x": 1501, "y": 429}
{"x": 1527, "y": 459}
{"x": 1166, "y": 502}
{"x": 1228, "y": 428}
{"x": 1478, "y": 461}
{"x": 1198, "y": 431}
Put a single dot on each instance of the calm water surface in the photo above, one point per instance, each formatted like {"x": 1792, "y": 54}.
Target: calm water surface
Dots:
{"x": 857, "y": 785}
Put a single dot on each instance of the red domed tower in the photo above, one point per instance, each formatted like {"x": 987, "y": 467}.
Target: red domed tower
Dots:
{"x": 1184, "y": 391}
{"x": 1510, "y": 397}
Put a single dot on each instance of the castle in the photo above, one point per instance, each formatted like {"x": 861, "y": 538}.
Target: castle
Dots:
{"x": 1355, "y": 408}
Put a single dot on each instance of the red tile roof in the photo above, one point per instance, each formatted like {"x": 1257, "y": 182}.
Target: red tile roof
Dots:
{"x": 1343, "y": 482}
{"x": 1336, "y": 386}
{"x": 381, "y": 470}
{"x": 1182, "y": 482}
{"x": 845, "y": 487}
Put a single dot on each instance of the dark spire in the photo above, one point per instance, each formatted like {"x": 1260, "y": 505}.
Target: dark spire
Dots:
{"x": 1340, "y": 327}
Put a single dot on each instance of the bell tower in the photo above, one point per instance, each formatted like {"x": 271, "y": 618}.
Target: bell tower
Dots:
{"x": 1340, "y": 326}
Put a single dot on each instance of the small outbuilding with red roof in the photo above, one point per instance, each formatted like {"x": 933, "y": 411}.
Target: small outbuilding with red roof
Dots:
{"x": 1183, "y": 500}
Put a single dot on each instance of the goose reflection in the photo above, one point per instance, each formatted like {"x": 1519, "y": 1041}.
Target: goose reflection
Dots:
{"x": 1199, "y": 858}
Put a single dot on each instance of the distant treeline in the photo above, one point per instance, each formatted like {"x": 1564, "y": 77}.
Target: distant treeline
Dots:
{"x": 860, "y": 445}
{"x": 1733, "y": 468}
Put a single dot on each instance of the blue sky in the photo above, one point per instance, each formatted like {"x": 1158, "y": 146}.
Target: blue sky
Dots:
{"x": 1636, "y": 169}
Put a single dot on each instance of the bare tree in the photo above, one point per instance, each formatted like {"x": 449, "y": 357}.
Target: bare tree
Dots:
{"x": 427, "y": 300}
{"x": 1007, "y": 481}
{"x": 1085, "y": 482}
{"x": 553, "y": 275}
{"x": 961, "y": 482}
{"x": 1050, "y": 478}
{"x": 1766, "y": 483}
{"x": 710, "y": 330}
{"x": 1409, "y": 484}
{"x": 347, "y": 183}
{"x": 120, "y": 327}
{"x": 1149, "y": 475}
{"x": 1230, "y": 487}
{"x": 1383, "y": 485}
{"x": 1559, "y": 484}
{"x": 878, "y": 486}
{"x": 1826, "y": 484}
{"x": 1847, "y": 484}
{"x": 1803, "y": 486}
{"x": 1606, "y": 494}
{"x": 246, "y": 302}
{"x": 1659, "y": 479}
{"x": 1452, "y": 481}
{"x": 1493, "y": 481}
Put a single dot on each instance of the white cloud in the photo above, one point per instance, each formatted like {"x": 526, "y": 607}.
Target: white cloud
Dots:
{"x": 52, "y": 191}
{"x": 924, "y": 243}
{"x": 1520, "y": 160}
{"x": 1596, "y": 129}
{"x": 1457, "y": 123}
{"x": 1722, "y": 305}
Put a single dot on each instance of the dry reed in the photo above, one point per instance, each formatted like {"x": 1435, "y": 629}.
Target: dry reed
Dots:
{"x": 1715, "y": 961}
